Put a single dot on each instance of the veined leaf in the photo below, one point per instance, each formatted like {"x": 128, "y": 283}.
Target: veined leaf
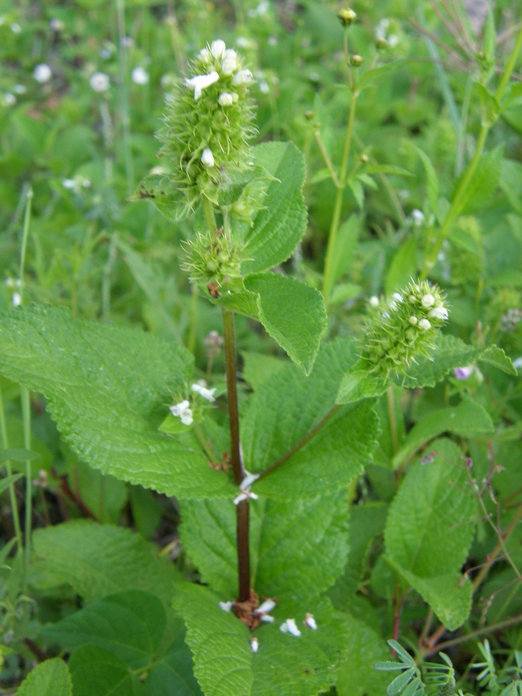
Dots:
{"x": 97, "y": 671}
{"x": 108, "y": 389}
{"x": 225, "y": 664}
{"x": 280, "y": 224}
{"x": 292, "y": 313}
{"x": 50, "y": 678}
{"x": 430, "y": 527}
{"x": 356, "y": 675}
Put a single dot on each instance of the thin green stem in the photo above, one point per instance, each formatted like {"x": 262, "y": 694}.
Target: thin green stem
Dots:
{"x": 12, "y": 490}
{"x": 509, "y": 67}
{"x": 393, "y": 420}
{"x": 208, "y": 214}
{"x": 124, "y": 97}
{"x": 326, "y": 158}
{"x": 502, "y": 625}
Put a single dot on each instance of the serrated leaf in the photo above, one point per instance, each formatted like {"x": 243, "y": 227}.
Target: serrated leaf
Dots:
{"x": 493, "y": 355}
{"x": 356, "y": 675}
{"x": 430, "y": 527}
{"x": 172, "y": 674}
{"x": 49, "y": 678}
{"x": 97, "y": 671}
{"x": 98, "y": 560}
{"x": 466, "y": 419}
{"x": 224, "y": 663}
{"x": 108, "y": 389}
{"x": 279, "y": 225}
{"x": 296, "y": 551}
{"x": 358, "y": 385}
{"x": 161, "y": 191}
{"x": 483, "y": 182}
{"x": 432, "y": 181}
{"x": 292, "y": 313}
{"x": 128, "y": 624}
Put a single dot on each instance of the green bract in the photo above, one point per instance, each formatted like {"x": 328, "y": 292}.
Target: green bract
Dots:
{"x": 404, "y": 327}
{"x": 208, "y": 125}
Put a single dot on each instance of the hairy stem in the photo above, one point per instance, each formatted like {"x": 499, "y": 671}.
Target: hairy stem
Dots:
{"x": 242, "y": 512}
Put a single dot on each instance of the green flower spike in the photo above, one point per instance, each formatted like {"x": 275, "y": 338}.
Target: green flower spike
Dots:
{"x": 403, "y": 328}
{"x": 208, "y": 125}
{"x": 212, "y": 259}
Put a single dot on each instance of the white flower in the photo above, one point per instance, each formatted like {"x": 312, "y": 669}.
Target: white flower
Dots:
{"x": 424, "y": 325}
{"x": 202, "y": 390}
{"x": 226, "y": 99}
{"x": 439, "y": 313}
{"x": 266, "y": 607}
{"x": 248, "y": 480}
{"x": 374, "y": 301}
{"x": 254, "y": 644}
{"x": 218, "y": 48}
{"x": 397, "y": 297}
{"x": 199, "y": 82}
{"x": 310, "y": 621}
{"x": 182, "y": 411}
{"x": 229, "y": 64}
{"x": 289, "y": 626}
{"x": 139, "y": 76}
{"x": 428, "y": 300}
{"x": 226, "y": 606}
{"x": 56, "y": 24}
{"x": 99, "y": 82}
{"x": 413, "y": 320}
{"x": 19, "y": 89}
{"x": 242, "y": 77}
{"x": 264, "y": 87}
{"x": 69, "y": 183}
{"x": 244, "y": 495}
{"x": 42, "y": 73}
{"x": 15, "y": 28}
{"x": 9, "y": 99}
{"x": 16, "y": 299}
{"x": 205, "y": 55}
{"x": 207, "y": 157}
{"x": 393, "y": 40}
{"x": 418, "y": 217}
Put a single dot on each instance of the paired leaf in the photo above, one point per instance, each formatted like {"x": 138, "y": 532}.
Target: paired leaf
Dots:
{"x": 224, "y": 663}
{"x": 429, "y": 530}
{"x": 296, "y": 552}
{"x": 50, "y": 678}
{"x": 108, "y": 389}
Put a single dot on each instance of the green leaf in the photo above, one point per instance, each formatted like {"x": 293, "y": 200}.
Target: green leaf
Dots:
{"x": 403, "y": 266}
{"x": 429, "y": 530}
{"x": 128, "y": 624}
{"x": 105, "y": 496}
{"x": 490, "y": 38}
{"x": 357, "y": 385}
{"x": 356, "y": 675}
{"x": 483, "y": 182}
{"x": 108, "y": 389}
{"x": 495, "y": 356}
{"x": 161, "y": 191}
{"x": 17, "y": 455}
{"x": 98, "y": 560}
{"x": 50, "y": 678}
{"x": 345, "y": 245}
{"x": 466, "y": 419}
{"x": 224, "y": 663}
{"x": 280, "y": 224}
{"x": 97, "y": 671}
{"x": 296, "y": 551}
{"x": 432, "y": 181}
{"x": 258, "y": 367}
{"x": 172, "y": 674}
{"x": 8, "y": 481}
{"x": 292, "y": 313}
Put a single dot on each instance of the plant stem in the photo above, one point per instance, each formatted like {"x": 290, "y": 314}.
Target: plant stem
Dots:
{"x": 300, "y": 443}
{"x": 243, "y": 512}
{"x": 501, "y": 546}
{"x": 393, "y": 420}
{"x": 12, "y": 490}
{"x": 474, "y": 634}
{"x": 124, "y": 97}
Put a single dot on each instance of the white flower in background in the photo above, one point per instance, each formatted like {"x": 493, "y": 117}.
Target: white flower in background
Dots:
{"x": 100, "y": 82}
{"x": 207, "y": 157}
{"x": 8, "y": 99}
{"x": 201, "y": 389}
{"x": 439, "y": 313}
{"x": 226, "y": 99}
{"x": 218, "y": 48}
{"x": 310, "y": 621}
{"x": 200, "y": 82}
{"x": 229, "y": 64}
{"x": 417, "y": 216}
{"x": 140, "y": 76}
{"x": 182, "y": 411}
{"x": 16, "y": 299}
{"x": 242, "y": 77}
{"x": 424, "y": 324}
{"x": 16, "y": 28}
{"x": 56, "y": 24}
{"x": 168, "y": 80}
{"x": 374, "y": 301}
{"x": 19, "y": 89}
{"x": 127, "y": 42}
{"x": 77, "y": 184}
{"x": 42, "y": 73}
{"x": 264, "y": 87}
{"x": 289, "y": 626}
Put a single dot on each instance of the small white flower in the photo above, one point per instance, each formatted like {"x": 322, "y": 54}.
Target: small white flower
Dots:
{"x": 19, "y": 89}
{"x": 393, "y": 40}
{"x": 244, "y": 495}
{"x": 42, "y": 73}
{"x": 272, "y": 41}
{"x": 242, "y": 77}
{"x": 9, "y": 99}
{"x": 200, "y": 82}
{"x": 56, "y": 24}
{"x": 424, "y": 325}
{"x": 266, "y": 618}
{"x": 413, "y": 320}
{"x": 254, "y": 644}
{"x": 289, "y": 626}
{"x": 397, "y": 297}
{"x": 16, "y": 299}
{"x": 229, "y": 64}
{"x": 207, "y": 158}
{"x": 205, "y": 55}
{"x": 439, "y": 313}
{"x": 374, "y": 301}
{"x": 248, "y": 480}
{"x": 127, "y": 42}
{"x": 428, "y": 301}
{"x": 218, "y": 48}
{"x": 139, "y": 76}
{"x": 69, "y": 184}
{"x": 418, "y": 217}
{"x": 16, "y": 28}
{"x": 182, "y": 411}
{"x": 264, "y": 87}
{"x": 310, "y": 621}
{"x": 99, "y": 82}
{"x": 226, "y": 606}
{"x": 202, "y": 390}
{"x": 226, "y": 99}
{"x": 266, "y": 607}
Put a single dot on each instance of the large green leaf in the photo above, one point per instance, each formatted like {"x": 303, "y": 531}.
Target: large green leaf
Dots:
{"x": 172, "y": 674}
{"x": 97, "y": 671}
{"x": 466, "y": 419}
{"x": 483, "y": 182}
{"x": 296, "y": 551}
{"x": 50, "y": 678}
{"x": 286, "y": 665}
{"x": 98, "y": 560}
{"x": 286, "y": 408}
{"x": 128, "y": 624}
{"x": 108, "y": 389}
{"x": 430, "y": 527}
{"x": 292, "y": 313}
{"x": 280, "y": 224}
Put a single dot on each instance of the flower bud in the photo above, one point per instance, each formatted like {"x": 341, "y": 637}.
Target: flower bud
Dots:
{"x": 356, "y": 60}
{"x": 347, "y": 16}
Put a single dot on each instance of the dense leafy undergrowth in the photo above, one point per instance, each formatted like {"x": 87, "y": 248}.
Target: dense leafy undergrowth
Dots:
{"x": 259, "y": 407}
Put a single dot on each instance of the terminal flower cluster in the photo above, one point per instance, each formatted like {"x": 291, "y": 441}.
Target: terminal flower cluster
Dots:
{"x": 208, "y": 124}
{"x": 403, "y": 327}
